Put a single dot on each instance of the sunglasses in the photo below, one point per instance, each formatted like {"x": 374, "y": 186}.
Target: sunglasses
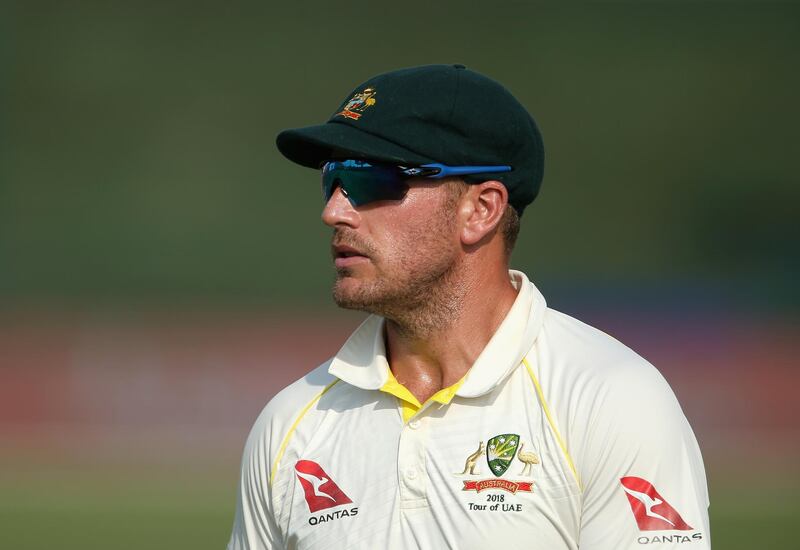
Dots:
{"x": 364, "y": 182}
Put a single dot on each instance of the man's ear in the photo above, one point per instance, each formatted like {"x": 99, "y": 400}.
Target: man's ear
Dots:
{"x": 483, "y": 207}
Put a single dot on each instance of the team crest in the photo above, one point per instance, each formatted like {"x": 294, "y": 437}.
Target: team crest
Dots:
{"x": 500, "y": 452}
{"x": 357, "y": 104}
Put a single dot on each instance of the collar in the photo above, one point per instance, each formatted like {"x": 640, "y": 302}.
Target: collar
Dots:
{"x": 362, "y": 360}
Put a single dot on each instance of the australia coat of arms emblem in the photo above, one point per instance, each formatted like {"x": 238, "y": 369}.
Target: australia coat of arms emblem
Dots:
{"x": 356, "y": 105}
{"x": 500, "y": 452}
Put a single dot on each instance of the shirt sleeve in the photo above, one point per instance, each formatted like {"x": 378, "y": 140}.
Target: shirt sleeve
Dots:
{"x": 642, "y": 472}
{"x": 254, "y": 525}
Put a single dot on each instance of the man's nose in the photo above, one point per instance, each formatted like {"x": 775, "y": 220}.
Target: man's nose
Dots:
{"x": 339, "y": 211}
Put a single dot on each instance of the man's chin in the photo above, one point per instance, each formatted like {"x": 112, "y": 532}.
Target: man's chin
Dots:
{"x": 352, "y": 293}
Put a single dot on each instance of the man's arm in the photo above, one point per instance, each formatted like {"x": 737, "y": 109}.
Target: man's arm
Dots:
{"x": 254, "y": 526}
{"x": 641, "y": 468}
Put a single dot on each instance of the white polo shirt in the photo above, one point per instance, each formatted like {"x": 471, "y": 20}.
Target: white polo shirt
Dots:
{"x": 558, "y": 437}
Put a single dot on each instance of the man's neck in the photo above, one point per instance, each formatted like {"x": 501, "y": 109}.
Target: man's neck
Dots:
{"x": 427, "y": 362}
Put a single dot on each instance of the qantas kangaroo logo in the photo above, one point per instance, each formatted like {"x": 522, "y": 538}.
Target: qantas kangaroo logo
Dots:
{"x": 321, "y": 492}
{"x": 316, "y": 482}
{"x": 651, "y": 511}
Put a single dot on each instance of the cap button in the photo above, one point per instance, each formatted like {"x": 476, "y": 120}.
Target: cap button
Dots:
{"x": 459, "y": 66}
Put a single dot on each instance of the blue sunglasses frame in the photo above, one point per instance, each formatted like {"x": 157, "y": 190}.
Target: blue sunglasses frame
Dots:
{"x": 364, "y": 182}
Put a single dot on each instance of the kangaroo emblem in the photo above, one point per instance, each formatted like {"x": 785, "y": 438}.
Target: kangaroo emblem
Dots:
{"x": 649, "y": 502}
{"x": 316, "y": 483}
{"x": 471, "y": 464}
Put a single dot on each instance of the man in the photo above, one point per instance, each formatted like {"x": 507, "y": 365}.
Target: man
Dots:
{"x": 463, "y": 413}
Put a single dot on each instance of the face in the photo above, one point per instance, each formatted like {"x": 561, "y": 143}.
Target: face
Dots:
{"x": 394, "y": 256}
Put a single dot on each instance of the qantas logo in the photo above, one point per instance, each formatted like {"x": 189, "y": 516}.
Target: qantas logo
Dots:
{"x": 651, "y": 511}
{"x": 320, "y": 490}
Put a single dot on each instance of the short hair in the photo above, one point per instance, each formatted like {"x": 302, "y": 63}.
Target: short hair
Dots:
{"x": 509, "y": 224}
{"x": 509, "y": 227}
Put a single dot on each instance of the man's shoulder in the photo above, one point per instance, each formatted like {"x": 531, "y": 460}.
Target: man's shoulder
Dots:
{"x": 281, "y": 415}
{"x": 597, "y": 380}
{"x": 587, "y": 352}
{"x": 293, "y": 398}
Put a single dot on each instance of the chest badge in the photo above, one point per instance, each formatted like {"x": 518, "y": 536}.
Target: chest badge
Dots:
{"x": 500, "y": 452}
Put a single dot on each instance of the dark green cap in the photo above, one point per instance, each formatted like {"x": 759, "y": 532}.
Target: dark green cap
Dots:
{"x": 435, "y": 113}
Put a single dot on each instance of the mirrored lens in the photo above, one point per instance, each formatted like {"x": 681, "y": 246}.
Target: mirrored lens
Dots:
{"x": 363, "y": 183}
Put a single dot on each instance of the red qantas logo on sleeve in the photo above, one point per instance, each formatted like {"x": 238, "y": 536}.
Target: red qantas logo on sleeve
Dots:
{"x": 651, "y": 511}
{"x": 321, "y": 492}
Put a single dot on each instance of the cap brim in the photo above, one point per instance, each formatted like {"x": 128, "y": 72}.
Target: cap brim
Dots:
{"x": 313, "y": 145}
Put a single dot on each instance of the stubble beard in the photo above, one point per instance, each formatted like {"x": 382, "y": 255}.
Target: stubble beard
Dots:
{"x": 423, "y": 293}
{"x": 419, "y": 304}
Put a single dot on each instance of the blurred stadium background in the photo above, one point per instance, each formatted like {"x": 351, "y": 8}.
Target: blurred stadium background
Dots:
{"x": 163, "y": 271}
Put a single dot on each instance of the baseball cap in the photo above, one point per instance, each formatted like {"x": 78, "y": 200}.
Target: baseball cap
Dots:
{"x": 446, "y": 114}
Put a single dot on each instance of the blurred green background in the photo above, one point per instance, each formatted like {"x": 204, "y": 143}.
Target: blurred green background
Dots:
{"x": 163, "y": 270}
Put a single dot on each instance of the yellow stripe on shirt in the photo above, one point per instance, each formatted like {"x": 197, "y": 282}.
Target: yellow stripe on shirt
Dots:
{"x": 552, "y": 422}
{"x": 288, "y": 436}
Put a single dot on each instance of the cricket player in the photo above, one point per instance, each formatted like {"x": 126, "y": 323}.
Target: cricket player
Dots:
{"x": 463, "y": 413}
